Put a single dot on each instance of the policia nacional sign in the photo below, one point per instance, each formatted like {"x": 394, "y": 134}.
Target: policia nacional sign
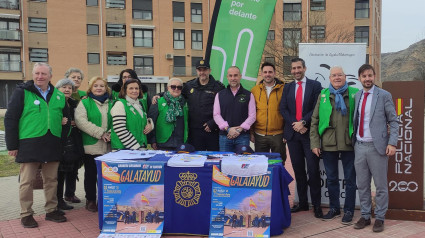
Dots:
{"x": 405, "y": 168}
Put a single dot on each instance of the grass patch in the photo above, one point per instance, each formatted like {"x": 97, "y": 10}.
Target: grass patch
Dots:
{"x": 8, "y": 167}
{"x": 1, "y": 123}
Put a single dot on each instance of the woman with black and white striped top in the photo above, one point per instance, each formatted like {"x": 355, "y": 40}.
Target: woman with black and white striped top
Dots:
{"x": 130, "y": 124}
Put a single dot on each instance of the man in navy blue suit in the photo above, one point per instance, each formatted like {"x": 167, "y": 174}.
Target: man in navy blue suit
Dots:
{"x": 298, "y": 100}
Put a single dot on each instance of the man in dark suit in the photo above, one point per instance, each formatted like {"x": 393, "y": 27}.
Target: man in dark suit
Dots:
{"x": 297, "y": 105}
{"x": 375, "y": 138}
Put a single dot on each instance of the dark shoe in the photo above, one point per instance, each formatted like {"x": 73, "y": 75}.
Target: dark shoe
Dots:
{"x": 55, "y": 216}
{"x": 331, "y": 214}
{"x": 64, "y": 206}
{"x": 73, "y": 199}
{"x": 362, "y": 223}
{"x": 91, "y": 206}
{"x": 60, "y": 212}
{"x": 318, "y": 213}
{"x": 28, "y": 222}
{"x": 347, "y": 218}
{"x": 378, "y": 226}
{"x": 297, "y": 208}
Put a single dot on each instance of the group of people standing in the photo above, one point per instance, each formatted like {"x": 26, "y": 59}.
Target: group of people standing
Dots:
{"x": 43, "y": 122}
{"x": 358, "y": 127}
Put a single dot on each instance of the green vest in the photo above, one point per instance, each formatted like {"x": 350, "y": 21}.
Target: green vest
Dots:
{"x": 38, "y": 116}
{"x": 164, "y": 129}
{"x": 82, "y": 93}
{"x": 325, "y": 109}
{"x": 94, "y": 116}
{"x": 135, "y": 125}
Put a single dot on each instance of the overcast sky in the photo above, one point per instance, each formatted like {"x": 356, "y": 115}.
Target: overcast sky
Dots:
{"x": 403, "y": 23}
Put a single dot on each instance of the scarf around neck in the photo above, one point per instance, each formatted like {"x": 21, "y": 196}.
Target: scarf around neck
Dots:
{"x": 101, "y": 99}
{"x": 175, "y": 108}
{"x": 339, "y": 100}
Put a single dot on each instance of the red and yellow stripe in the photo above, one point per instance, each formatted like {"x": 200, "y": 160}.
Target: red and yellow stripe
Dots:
{"x": 399, "y": 106}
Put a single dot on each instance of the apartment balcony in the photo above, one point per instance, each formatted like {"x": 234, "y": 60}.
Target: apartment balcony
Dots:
{"x": 10, "y": 66}
{"x": 9, "y": 4}
{"x": 12, "y": 35}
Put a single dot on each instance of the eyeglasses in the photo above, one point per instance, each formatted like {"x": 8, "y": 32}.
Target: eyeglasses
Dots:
{"x": 174, "y": 87}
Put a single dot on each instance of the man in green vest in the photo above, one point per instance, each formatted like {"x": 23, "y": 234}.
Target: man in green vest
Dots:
{"x": 330, "y": 138}
{"x": 33, "y": 124}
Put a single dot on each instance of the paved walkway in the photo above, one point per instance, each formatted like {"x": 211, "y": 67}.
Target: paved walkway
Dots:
{"x": 82, "y": 223}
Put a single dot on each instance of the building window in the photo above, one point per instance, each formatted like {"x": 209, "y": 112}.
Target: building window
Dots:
{"x": 195, "y": 60}
{"x": 292, "y": 11}
{"x": 10, "y": 61}
{"x": 39, "y": 55}
{"x": 196, "y": 12}
{"x": 115, "y": 4}
{"x": 178, "y": 11}
{"x": 9, "y": 29}
{"x": 93, "y": 58}
{"x": 9, "y": 4}
{"x": 142, "y": 38}
{"x": 361, "y": 34}
{"x": 92, "y": 29}
{"x": 142, "y": 9}
{"x": 291, "y": 37}
{"x": 143, "y": 65}
{"x": 270, "y": 35}
{"x": 115, "y": 29}
{"x": 269, "y": 60}
{"x": 179, "y": 66}
{"x": 37, "y": 24}
{"x": 287, "y": 62}
{"x": 197, "y": 40}
{"x": 179, "y": 39}
{"x": 317, "y": 5}
{"x": 116, "y": 58}
{"x": 92, "y": 3}
{"x": 317, "y": 32}
{"x": 362, "y": 8}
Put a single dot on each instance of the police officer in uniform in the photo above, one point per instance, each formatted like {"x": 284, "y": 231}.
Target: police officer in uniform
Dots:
{"x": 200, "y": 93}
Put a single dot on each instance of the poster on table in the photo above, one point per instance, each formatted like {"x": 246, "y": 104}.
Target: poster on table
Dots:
{"x": 240, "y": 206}
{"x": 320, "y": 57}
{"x": 237, "y": 37}
{"x": 133, "y": 199}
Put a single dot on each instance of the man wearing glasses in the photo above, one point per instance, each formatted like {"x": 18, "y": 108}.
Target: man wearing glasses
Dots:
{"x": 234, "y": 112}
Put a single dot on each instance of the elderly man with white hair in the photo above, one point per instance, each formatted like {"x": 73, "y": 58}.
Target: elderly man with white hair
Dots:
{"x": 330, "y": 137}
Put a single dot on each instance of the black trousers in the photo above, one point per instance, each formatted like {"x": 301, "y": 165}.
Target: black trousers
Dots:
{"x": 300, "y": 153}
{"x": 90, "y": 177}
{"x": 69, "y": 179}
{"x": 203, "y": 140}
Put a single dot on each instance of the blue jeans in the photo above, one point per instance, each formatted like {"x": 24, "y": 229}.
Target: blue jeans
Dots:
{"x": 228, "y": 145}
{"x": 330, "y": 160}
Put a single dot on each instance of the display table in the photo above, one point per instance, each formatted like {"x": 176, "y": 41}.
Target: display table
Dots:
{"x": 195, "y": 218}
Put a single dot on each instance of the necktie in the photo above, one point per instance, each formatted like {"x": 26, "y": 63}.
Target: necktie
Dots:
{"x": 362, "y": 114}
{"x": 299, "y": 102}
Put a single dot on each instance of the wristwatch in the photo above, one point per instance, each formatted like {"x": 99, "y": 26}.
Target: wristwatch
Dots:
{"x": 303, "y": 122}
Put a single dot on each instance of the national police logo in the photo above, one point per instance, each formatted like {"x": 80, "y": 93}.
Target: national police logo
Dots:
{"x": 187, "y": 191}
{"x": 191, "y": 90}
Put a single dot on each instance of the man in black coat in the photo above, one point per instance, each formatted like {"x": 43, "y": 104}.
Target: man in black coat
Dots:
{"x": 33, "y": 124}
{"x": 296, "y": 106}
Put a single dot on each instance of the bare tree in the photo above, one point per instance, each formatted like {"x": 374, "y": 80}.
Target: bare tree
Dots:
{"x": 289, "y": 34}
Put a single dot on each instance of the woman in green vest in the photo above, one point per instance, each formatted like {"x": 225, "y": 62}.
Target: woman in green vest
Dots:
{"x": 93, "y": 119}
{"x": 130, "y": 124}
{"x": 170, "y": 118}
{"x": 77, "y": 76}
{"x": 128, "y": 74}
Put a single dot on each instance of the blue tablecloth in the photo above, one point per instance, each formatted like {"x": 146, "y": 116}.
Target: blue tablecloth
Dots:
{"x": 195, "y": 219}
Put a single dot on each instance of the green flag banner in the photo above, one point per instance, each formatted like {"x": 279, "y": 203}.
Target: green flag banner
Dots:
{"x": 239, "y": 37}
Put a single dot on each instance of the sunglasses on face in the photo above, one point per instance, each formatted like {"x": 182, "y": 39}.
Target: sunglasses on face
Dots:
{"x": 174, "y": 87}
